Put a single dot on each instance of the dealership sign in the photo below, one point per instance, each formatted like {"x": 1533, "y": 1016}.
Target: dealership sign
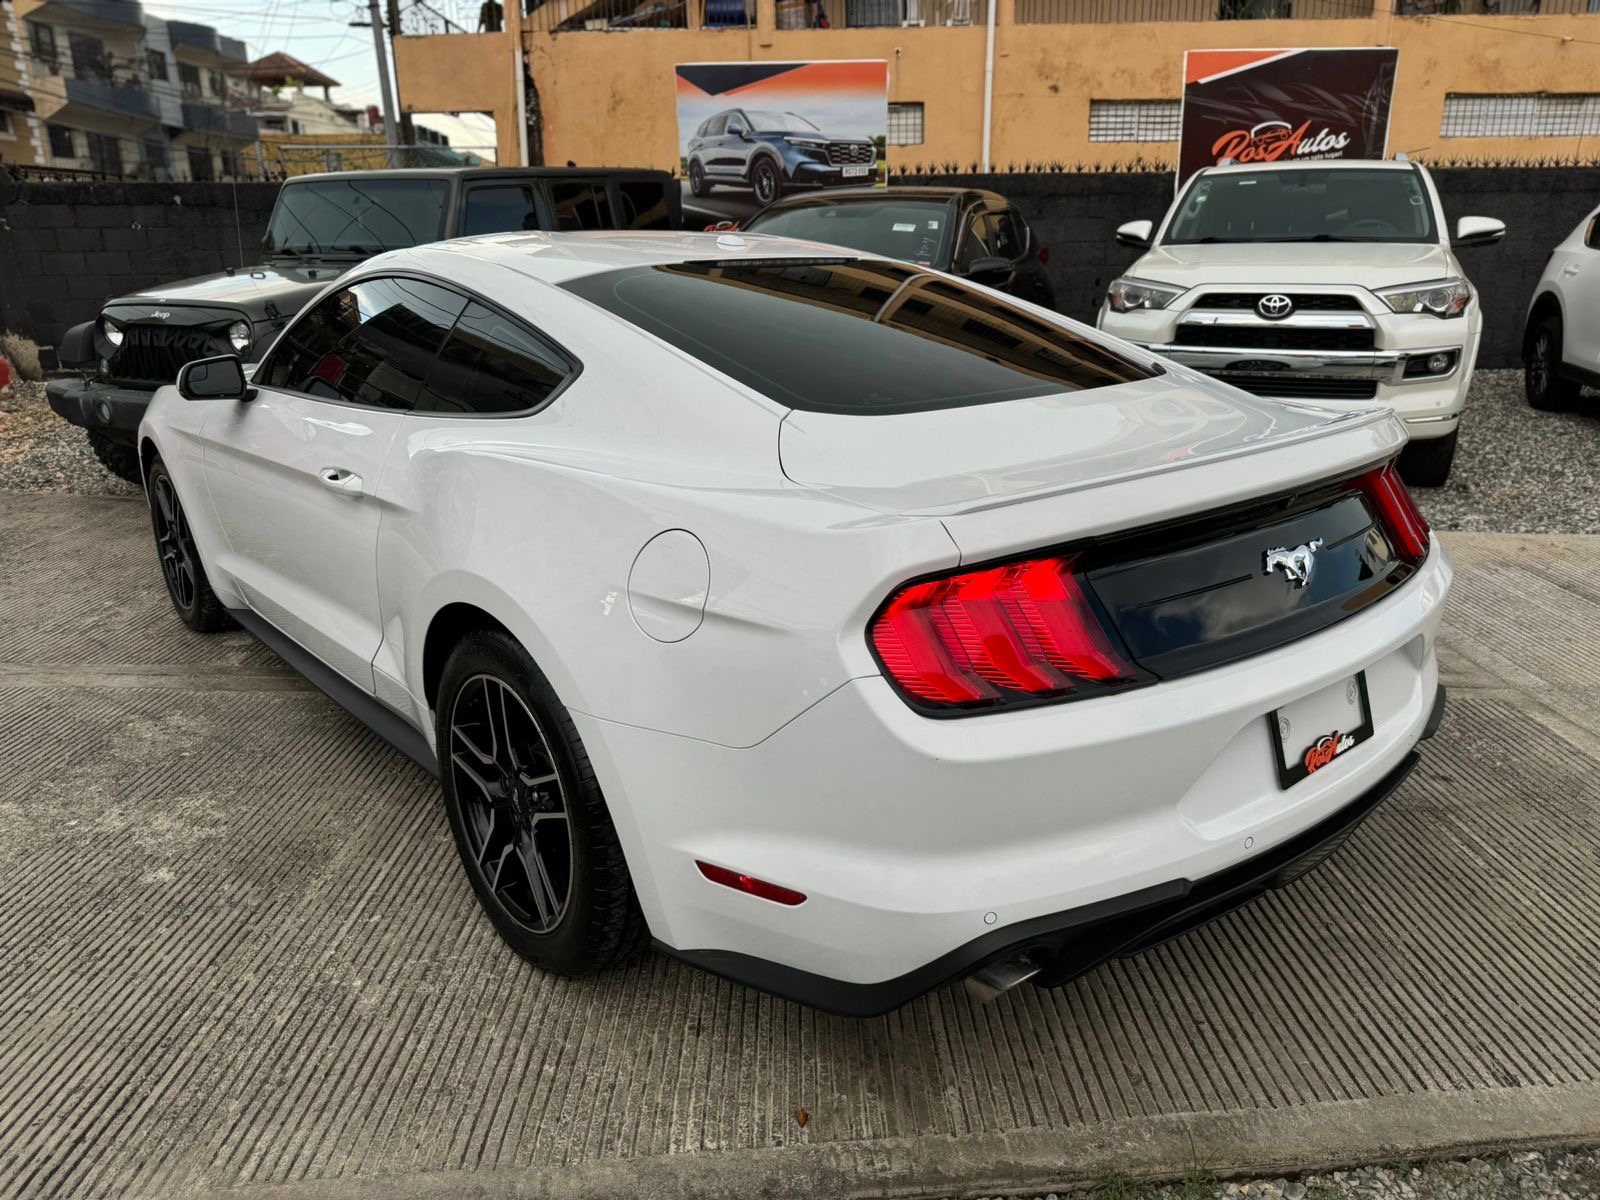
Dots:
{"x": 1259, "y": 106}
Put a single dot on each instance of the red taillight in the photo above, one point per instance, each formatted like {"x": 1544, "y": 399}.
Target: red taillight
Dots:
{"x": 1044, "y": 254}
{"x": 1018, "y": 631}
{"x": 750, "y": 885}
{"x": 1402, "y": 519}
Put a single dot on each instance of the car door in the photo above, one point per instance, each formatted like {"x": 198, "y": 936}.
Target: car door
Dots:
{"x": 735, "y": 146}
{"x": 294, "y": 473}
{"x": 1579, "y": 280}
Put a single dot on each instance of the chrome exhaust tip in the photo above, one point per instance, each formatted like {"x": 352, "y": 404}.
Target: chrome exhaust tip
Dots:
{"x": 998, "y": 978}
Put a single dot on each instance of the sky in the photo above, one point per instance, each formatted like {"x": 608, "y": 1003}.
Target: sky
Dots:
{"x": 318, "y": 33}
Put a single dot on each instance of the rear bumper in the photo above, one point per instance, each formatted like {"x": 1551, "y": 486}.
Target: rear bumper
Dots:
{"x": 112, "y": 411}
{"x": 1068, "y": 944}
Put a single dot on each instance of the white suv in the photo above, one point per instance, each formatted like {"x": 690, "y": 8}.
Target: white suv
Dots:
{"x": 1331, "y": 281}
{"x": 1561, "y": 344}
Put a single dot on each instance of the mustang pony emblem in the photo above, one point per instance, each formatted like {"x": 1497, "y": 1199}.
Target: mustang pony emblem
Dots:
{"x": 1296, "y": 564}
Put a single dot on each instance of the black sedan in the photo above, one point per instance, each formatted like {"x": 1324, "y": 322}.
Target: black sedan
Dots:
{"x": 976, "y": 234}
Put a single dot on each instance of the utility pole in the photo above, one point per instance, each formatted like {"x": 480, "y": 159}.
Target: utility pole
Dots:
{"x": 389, "y": 133}
{"x": 408, "y": 134}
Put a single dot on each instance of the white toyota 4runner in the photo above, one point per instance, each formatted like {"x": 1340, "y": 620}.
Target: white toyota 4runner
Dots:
{"x": 1332, "y": 281}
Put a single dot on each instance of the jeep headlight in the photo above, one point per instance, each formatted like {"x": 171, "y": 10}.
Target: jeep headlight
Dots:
{"x": 1441, "y": 297}
{"x": 111, "y": 331}
{"x": 1128, "y": 294}
{"x": 239, "y": 335}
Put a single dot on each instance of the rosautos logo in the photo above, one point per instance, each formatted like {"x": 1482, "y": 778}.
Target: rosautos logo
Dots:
{"x": 1325, "y": 749}
{"x": 1274, "y": 140}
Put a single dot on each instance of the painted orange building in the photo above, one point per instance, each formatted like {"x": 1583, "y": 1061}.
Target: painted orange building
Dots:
{"x": 1068, "y": 80}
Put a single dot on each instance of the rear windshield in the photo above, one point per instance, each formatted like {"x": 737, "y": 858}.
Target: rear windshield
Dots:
{"x": 855, "y": 336}
{"x": 1335, "y": 205}
{"x": 357, "y": 216}
{"x": 911, "y": 230}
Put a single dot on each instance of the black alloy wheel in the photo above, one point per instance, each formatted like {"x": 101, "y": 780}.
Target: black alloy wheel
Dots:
{"x": 1546, "y": 388}
{"x": 764, "y": 181}
{"x": 513, "y": 803}
{"x": 181, "y": 568}
{"x": 697, "y": 179}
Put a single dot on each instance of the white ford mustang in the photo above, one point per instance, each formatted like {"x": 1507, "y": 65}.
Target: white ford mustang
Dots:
{"x": 841, "y": 627}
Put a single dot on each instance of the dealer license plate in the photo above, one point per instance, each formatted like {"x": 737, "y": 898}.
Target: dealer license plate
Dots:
{"x": 860, "y": 172}
{"x": 1311, "y": 732}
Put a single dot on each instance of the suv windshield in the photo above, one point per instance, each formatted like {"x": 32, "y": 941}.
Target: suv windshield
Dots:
{"x": 855, "y": 336}
{"x": 771, "y": 122}
{"x": 1334, "y": 205}
{"x": 913, "y": 231}
{"x": 357, "y": 216}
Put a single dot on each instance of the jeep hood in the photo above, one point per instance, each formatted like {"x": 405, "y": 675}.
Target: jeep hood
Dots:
{"x": 249, "y": 288}
{"x": 1372, "y": 265}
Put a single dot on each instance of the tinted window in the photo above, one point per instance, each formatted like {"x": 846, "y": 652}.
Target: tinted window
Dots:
{"x": 1006, "y": 236}
{"x": 581, "y": 205}
{"x": 371, "y": 343}
{"x": 361, "y": 216}
{"x": 491, "y": 364}
{"x": 644, "y": 205}
{"x": 499, "y": 210}
{"x": 855, "y": 336}
{"x": 1335, "y": 205}
{"x": 1591, "y": 237}
{"x": 974, "y": 241}
{"x": 914, "y": 231}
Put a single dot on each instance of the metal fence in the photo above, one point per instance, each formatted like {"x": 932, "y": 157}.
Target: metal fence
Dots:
{"x": 1107, "y": 12}
{"x": 280, "y": 160}
{"x": 564, "y": 16}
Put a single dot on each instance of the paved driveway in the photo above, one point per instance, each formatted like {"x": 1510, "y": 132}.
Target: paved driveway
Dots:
{"x": 236, "y": 952}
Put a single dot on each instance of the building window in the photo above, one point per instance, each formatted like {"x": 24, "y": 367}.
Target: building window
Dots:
{"x": 1134, "y": 120}
{"x": 231, "y": 168}
{"x": 5, "y": 122}
{"x": 215, "y": 83}
{"x": 1534, "y": 114}
{"x": 61, "y": 145}
{"x": 42, "y": 43}
{"x": 89, "y": 57}
{"x": 105, "y": 154}
{"x": 155, "y": 160}
{"x": 157, "y": 63}
{"x": 200, "y": 168}
{"x": 905, "y": 124}
{"x": 189, "y": 77}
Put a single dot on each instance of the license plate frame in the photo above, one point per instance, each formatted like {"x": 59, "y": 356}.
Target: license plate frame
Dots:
{"x": 1298, "y": 758}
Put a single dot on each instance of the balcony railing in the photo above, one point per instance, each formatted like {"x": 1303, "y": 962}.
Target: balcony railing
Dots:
{"x": 224, "y": 122}
{"x": 1502, "y": 8}
{"x": 112, "y": 98}
{"x": 1110, "y": 12}
{"x": 126, "y": 14}
{"x": 563, "y": 16}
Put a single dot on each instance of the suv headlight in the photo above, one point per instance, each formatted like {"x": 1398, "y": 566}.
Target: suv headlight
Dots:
{"x": 1126, "y": 294}
{"x": 1441, "y": 297}
{"x": 111, "y": 330}
{"x": 800, "y": 140}
{"x": 239, "y": 335}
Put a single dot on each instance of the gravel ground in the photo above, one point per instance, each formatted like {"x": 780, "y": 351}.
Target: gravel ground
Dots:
{"x": 1533, "y": 1175}
{"x": 39, "y": 452}
{"x": 1517, "y": 470}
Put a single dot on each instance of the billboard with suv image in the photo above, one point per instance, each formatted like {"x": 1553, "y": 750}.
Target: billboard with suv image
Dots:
{"x": 750, "y": 132}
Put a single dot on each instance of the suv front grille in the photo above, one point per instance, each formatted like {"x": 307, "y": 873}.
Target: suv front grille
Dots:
{"x": 153, "y": 353}
{"x": 1275, "y": 337}
{"x": 1303, "y": 302}
{"x": 848, "y": 153}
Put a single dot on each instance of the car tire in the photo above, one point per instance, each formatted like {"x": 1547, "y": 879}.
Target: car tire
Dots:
{"x": 528, "y": 818}
{"x": 1546, "y": 388}
{"x": 697, "y": 179}
{"x": 1427, "y": 463}
{"x": 766, "y": 180}
{"x": 181, "y": 568}
{"x": 121, "y": 459}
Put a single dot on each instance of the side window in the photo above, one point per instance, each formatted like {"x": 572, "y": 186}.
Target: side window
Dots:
{"x": 644, "y": 205}
{"x": 974, "y": 240}
{"x": 491, "y": 364}
{"x": 371, "y": 343}
{"x": 1591, "y": 237}
{"x": 1008, "y": 238}
{"x": 580, "y": 204}
{"x": 499, "y": 209}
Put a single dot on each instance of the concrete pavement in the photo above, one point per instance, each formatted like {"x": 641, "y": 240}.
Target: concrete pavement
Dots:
{"x": 237, "y": 955}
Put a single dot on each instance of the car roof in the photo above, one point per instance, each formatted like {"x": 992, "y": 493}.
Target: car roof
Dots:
{"x": 887, "y": 193}
{"x": 558, "y": 257}
{"x": 475, "y": 173}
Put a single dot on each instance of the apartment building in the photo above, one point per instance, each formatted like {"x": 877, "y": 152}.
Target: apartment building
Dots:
{"x": 1069, "y": 81}
{"x": 122, "y": 94}
{"x": 21, "y": 131}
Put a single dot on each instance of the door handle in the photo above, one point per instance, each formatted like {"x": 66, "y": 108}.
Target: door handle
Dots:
{"x": 340, "y": 480}
{"x": 1570, "y": 269}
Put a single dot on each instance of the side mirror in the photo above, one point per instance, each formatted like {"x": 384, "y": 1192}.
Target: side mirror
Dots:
{"x": 1479, "y": 231}
{"x": 737, "y": 131}
{"x": 988, "y": 266}
{"x": 1136, "y": 234}
{"x": 214, "y": 379}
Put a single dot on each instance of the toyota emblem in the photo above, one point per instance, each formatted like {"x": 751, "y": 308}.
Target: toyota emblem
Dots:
{"x": 1275, "y": 307}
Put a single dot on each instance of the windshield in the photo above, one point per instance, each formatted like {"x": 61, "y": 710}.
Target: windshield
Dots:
{"x": 357, "y": 216}
{"x": 1336, "y": 205}
{"x": 914, "y": 231}
{"x": 772, "y": 122}
{"x": 855, "y": 336}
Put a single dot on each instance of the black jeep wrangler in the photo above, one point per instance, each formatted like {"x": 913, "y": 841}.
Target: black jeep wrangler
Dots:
{"x": 321, "y": 227}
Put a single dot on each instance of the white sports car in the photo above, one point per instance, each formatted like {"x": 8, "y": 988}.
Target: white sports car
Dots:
{"x": 836, "y": 625}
